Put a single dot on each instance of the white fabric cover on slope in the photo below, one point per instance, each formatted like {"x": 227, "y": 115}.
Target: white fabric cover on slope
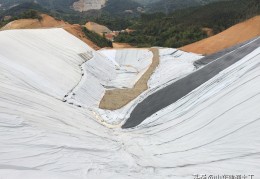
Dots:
{"x": 212, "y": 130}
{"x": 46, "y": 59}
{"x": 130, "y": 64}
{"x": 173, "y": 65}
{"x": 102, "y": 73}
{"x": 49, "y": 59}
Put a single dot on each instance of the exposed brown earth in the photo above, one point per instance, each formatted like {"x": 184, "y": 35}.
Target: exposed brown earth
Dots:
{"x": 228, "y": 38}
{"x": 99, "y": 29}
{"x": 50, "y": 22}
{"x": 76, "y": 30}
{"x": 46, "y": 22}
{"x": 121, "y": 45}
{"x": 117, "y": 98}
{"x": 85, "y": 5}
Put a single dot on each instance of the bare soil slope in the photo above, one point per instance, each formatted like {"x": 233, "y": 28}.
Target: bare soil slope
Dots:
{"x": 85, "y": 5}
{"x": 50, "y": 22}
{"x": 46, "y": 22}
{"x": 230, "y": 37}
{"x": 99, "y": 29}
{"x": 121, "y": 45}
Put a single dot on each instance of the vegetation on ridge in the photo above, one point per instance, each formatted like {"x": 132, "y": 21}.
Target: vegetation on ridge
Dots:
{"x": 97, "y": 39}
{"x": 175, "y": 29}
{"x": 29, "y": 14}
{"x": 183, "y": 27}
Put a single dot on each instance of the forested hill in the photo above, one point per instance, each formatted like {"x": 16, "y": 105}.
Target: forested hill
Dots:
{"x": 175, "y": 29}
{"x": 185, "y": 26}
{"x": 168, "y": 6}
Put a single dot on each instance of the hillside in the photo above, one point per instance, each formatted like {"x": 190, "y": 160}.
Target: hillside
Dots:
{"x": 123, "y": 7}
{"x": 86, "y": 5}
{"x": 46, "y": 22}
{"x": 55, "y": 5}
{"x": 68, "y": 6}
{"x": 186, "y": 26}
{"x": 230, "y": 37}
{"x": 49, "y": 22}
{"x": 118, "y": 5}
{"x": 168, "y": 6}
{"x": 116, "y": 12}
{"x": 146, "y": 2}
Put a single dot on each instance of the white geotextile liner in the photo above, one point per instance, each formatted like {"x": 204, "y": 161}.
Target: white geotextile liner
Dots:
{"x": 214, "y": 130}
{"x": 46, "y": 59}
{"x": 130, "y": 65}
{"x": 173, "y": 65}
{"x": 105, "y": 71}
{"x": 49, "y": 60}
{"x": 96, "y": 72}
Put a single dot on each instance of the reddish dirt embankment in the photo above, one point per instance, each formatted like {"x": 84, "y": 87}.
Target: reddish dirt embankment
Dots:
{"x": 228, "y": 38}
{"x": 50, "y": 22}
